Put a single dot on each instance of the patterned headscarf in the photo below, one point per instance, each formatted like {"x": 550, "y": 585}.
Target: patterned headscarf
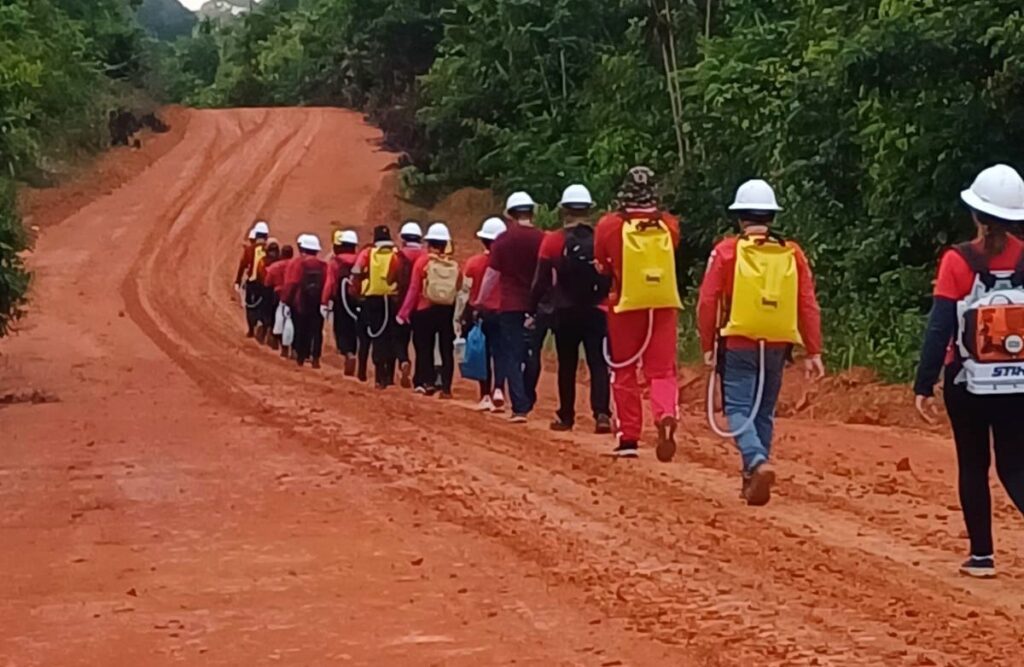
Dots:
{"x": 638, "y": 189}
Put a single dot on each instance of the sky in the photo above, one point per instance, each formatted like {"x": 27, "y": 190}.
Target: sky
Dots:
{"x": 194, "y": 4}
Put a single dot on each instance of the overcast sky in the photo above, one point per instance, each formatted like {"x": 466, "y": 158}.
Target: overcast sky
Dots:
{"x": 195, "y": 4}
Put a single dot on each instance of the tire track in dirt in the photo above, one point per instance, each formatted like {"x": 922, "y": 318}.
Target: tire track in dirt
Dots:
{"x": 668, "y": 549}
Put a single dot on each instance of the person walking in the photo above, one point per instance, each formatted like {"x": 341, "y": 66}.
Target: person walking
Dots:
{"x": 981, "y": 363}
{"x": 492, "y": 389}
{"x": 303, "y": 287}
{"x": 245, "y": 277}
{"x": 513, "y": 263}
{"x": 566, "y": 273}
{"x": 430, "y": 307}
{"x": 335, "y": 298}
{"x": 411, "y": 250}
{"x": 274, "y": 281}
{"x": 635, "y": 246}
{"x": 371, "y": 281}
{"x": 268, "y": 298}
{"x": 748, "y": 334}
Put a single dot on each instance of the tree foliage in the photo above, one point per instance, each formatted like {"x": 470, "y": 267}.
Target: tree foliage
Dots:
{"x": 58, "y": 62}
{"x": 166, "y": 19}
{"x": 868, "y": 116}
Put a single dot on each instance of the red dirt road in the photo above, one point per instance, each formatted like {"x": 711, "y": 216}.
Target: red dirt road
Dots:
{"x": 187, "y": 497}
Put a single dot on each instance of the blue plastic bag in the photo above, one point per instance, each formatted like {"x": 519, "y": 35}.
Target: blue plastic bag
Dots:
{"x": 474, "y": 364}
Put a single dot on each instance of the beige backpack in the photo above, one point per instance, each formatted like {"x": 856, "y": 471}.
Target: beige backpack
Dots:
{"x": 441, "y": 281}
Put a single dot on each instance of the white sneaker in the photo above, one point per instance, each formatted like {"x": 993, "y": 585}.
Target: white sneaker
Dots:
{"x": 485, "y": 404}
{"x": 498, "y": 400}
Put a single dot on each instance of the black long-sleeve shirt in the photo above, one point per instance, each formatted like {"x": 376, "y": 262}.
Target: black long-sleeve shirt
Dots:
{"x": 941, "y": 331}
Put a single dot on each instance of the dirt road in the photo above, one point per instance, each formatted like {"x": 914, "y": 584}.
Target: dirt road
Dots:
{"x": 175, "y": 494}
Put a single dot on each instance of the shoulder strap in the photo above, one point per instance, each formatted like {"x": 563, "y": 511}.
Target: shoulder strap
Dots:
{"x": 977, "y": 263}
{"x": 1018, "y": 272}
{"x": 768, "y": 236}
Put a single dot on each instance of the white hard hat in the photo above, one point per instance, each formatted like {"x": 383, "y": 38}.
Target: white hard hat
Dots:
{"x": 576, "y": 196}
{"x": 309, "y": 242}
{"x": 252, "y": 234}
{"x": 411, "y": 228}
{"x": 492, "y": 229}
{"x": 261, "y": 228}
{"x": 755, "y": 195}
{"x": 999, "y": 192}
{"x": 438, "y": 232}
{"x": 347, "y": 236}
{"x": 519, "y": 200}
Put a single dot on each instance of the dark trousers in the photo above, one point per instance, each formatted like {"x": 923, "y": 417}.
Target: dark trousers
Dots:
{"x": 402, "y": 337}
{"x": 372, "y": 316}
{"x": 573, "y": 328}
{"x": 495, "y": 373}
{"x": 435, "y": 327}
{"x": 981, "y": 424}
{"x": 254, "y": 303}
{"x": 268, "y": 308}
{"x": 309, "y": 334}
{"x": 535, "y": 338}
{"x": 346, "y": 333}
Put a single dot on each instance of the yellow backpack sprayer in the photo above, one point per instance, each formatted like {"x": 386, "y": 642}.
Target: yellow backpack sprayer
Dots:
{"x": 648, "y": 277}
{"x": 376, "y": 284}
{"x": 763, "y": 307}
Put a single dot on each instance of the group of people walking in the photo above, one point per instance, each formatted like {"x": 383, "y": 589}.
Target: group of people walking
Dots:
{"x": 609, "y": 288}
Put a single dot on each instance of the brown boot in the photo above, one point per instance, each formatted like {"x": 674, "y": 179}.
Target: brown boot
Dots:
{"x": 666, "y": 450}
{"x": 350, "y": 366}
{"x": 286, "y": 351}
{"x": 406, "y": 380}
{"x": 759, "y": 490}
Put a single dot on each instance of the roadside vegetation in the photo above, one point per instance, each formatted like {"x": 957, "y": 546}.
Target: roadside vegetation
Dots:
{"x": 869, "y": 117}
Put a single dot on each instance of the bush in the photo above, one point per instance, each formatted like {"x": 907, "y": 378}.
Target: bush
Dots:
{"x": 13, "y": 277}
{"x": 869, "y": 117}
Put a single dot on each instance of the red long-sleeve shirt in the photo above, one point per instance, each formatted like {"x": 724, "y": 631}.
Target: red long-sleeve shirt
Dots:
{"x": 474, "y": 270}
{"x": 293, "y": 278}
{"x": 608, "y": 242}
{"x": 401, "y": 271}
{"x": 245, "y": 263}
{"x": 274, "y": 276}
{"x": 716, "y": 291}
{"x": 338, "y": 268}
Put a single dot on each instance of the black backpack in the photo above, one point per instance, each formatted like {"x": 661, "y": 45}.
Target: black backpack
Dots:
{"x": 311, "y": 287}
{"x": 578, "y": 278}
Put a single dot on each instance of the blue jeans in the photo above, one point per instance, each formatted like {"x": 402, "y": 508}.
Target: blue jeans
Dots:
{"x": 512, "y": 357}
{"x": 739, "y": 389}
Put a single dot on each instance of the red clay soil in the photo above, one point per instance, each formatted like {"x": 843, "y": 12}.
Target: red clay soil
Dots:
{"x": 183, "y": 496}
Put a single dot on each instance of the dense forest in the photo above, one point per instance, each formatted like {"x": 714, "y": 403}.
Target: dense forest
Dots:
{"x": 869, "y": 116}
{"x": 64, "y": 64}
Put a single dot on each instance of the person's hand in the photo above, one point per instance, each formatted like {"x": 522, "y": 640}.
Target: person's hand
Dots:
{"x": 530, "y": 322}
{"x": 926, "y": 408}
{"x": 325, "y": 311}
{"x": 814, "y": 368}
{"x": 709, "y": 358}
{"x": 401, "y": 320}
